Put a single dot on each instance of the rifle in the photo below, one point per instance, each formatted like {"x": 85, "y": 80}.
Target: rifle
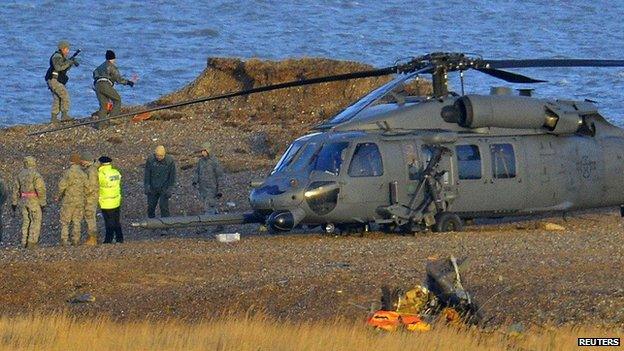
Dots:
{"x": 74, "y": 56}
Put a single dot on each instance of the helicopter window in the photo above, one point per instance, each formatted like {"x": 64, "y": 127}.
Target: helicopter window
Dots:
{"x": 305, "y": 158}
{"x": 468, "y": 161}
{"x": 503, "y": 161}
{"x": 288, "y": 156}
{"x": 412, "y": 159}
{"x": 366, "y": 161}
{"x": 329, "y": 158}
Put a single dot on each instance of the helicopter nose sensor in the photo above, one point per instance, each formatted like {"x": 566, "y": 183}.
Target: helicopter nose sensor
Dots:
{"x": 283, "y": 221}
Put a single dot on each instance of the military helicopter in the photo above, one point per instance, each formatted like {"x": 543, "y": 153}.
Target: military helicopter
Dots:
{"x": 412, "y": 164}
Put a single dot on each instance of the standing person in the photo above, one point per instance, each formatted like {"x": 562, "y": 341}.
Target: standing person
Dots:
{"x": 158, "y": 181}
{"x": 30, "y": 194}
{"x": 56, "y": 78}
{"x": 71, "y": 193}
{"x": 3, "y": 196}
{"x": 207, "y": 179}
{"x": 110, "y": 199}
{"x": 91, "y": 197}
{"x": 104, "y": 78}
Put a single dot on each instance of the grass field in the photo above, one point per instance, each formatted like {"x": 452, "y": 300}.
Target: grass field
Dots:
{"x": 61, "y": 332}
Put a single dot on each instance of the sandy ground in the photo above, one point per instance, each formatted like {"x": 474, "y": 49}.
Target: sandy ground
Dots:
{"x": 517, "y": 271}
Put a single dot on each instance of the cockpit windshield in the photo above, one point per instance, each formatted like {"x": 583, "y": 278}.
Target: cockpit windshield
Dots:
{"x": 291, "y": 153}
{"x": 302, "y": 164}
{"x": 329, "y": 158}
{"x": 313, "y": 157}
{"x": 288, "y": 156}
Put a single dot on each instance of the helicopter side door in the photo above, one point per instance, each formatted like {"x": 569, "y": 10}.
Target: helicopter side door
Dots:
{"x": 505, "y": 173}
{"x": 365, "y": 187}
{"x": 469, "y": 177}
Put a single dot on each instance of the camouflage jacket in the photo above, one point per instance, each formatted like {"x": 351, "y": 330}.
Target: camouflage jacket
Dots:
{"x": 92, "y": 190}
{"x": 60, "y": 62}
{"x": 108, "y": 70}
{"x": 72, "y": 186}
{"x": 59, "y": 65}
{"x": 208, "y": 175}
{"x": 3, "y": 192}
{"x": 30, "y": 185}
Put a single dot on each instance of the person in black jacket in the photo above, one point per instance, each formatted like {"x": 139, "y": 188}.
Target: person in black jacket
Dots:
{"x": 160, "y": 177}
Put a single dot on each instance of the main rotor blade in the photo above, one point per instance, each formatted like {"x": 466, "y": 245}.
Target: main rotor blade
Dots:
{"x": 509, "y": 76}
{"x": 291, "y": 84}
{"x": 553, "y": 63}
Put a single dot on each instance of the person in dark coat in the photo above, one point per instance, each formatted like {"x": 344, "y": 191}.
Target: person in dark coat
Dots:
{"x": 159, "y": 180}
{"x": 207, "y": 179}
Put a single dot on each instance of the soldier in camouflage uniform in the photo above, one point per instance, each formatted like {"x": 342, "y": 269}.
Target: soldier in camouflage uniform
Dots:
{"x": 3, "y": 196}
{"x": 56, "y": 78}
{"x": 30, "y": 194}
{"x": 91, "y": 197}
{"x": 71, "y": 193}
{"x": 104, "y": 79}
{"x": 208, "y": 175}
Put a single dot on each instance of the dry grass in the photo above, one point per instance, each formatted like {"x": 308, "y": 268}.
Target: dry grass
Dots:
{"x": 61, "y": 332}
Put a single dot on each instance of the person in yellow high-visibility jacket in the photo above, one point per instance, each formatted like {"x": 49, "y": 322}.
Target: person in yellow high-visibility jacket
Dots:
{"x": 110, "y": 199}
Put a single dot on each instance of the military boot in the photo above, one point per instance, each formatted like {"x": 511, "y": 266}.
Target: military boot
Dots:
{"x": 91, "y": 239}
{"x": 32, "y": 245}
{"x": 64, "y": 242}
{"x": 53, "y": 119}
{"x": 65, "y": 117}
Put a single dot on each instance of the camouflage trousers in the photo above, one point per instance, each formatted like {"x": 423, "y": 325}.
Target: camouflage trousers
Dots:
{"x": 209, "y": 201}
{"x": 90, "y": 216}
{"x": 60, "y": 97}
{"x": 0, "y": 223}
{"x": 31, "y": 221}
{"x": 71, "y": 214}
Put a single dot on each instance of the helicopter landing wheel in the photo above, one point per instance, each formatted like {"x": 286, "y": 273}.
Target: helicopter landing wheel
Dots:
{"x": 329, "y": 228}
{"x": 447, "y": 222}
{"x": 353, "y": 229}
{"x": 411, "y": 228}
{"x": 388, "y": 227}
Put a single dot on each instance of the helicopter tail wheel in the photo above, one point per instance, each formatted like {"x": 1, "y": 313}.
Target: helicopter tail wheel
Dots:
{"x": 447, "y": 222}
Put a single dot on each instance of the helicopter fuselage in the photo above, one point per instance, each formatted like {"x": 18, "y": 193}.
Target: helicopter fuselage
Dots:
{"x": 349, "y": 173}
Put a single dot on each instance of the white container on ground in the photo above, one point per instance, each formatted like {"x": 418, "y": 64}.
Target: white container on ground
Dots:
{"x": 227, "y": 237}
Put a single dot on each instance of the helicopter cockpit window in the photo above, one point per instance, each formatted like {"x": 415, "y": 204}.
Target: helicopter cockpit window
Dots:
{"x": 503, "y": 161}
{"x": 303, "y": 161}
{"x": 288, "y": 156}
{"x": 468, "y": 161}
{"x": 366, "y": 161}
{"x": 329, "y": 158}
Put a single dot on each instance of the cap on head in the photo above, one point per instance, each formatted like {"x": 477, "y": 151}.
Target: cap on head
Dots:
{"x": 105, "y": 159}
{"x": 206, "y": 146}
{"x": 75, "y": 158}
{"x": 110, "y": 55}
{"x": 85, "y": 156}
{"x": 160, "y": 151}
{"x": 30, "y": 162}
{"x": 63, "y": 44}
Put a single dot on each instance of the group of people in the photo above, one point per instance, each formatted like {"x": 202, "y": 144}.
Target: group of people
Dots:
{"x": 105, "y": 76}
{"x": 89, "y": 183}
